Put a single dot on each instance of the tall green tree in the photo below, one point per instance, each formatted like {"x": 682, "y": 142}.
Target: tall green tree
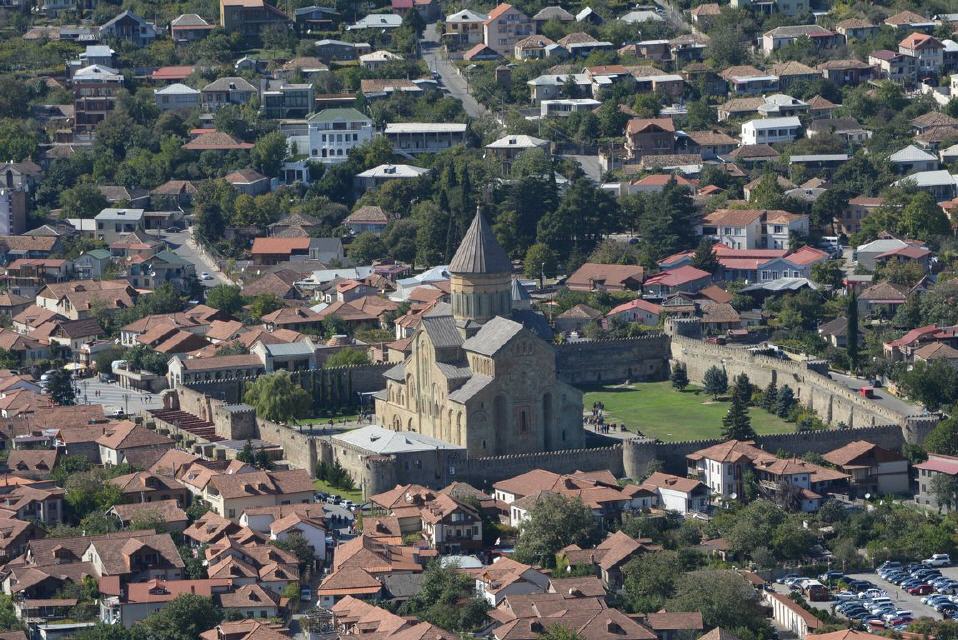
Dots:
{"x": 184, "y": 618}
{"x": 725, "y": 600}
{"x": 269, "y": 152}
{"x": 715, "y": 381}
{"x": 704, "y": 257}
{"x": 60, "y": 387}
{"x": 737, "y": 425}
{"x": 277, "y": 397}
{"x": 365, "y": 248}
{"x": 584, "y": 215}
{"x": 82, "y": 201}
{"x": 785, "y": 401}
{"x": 679, "y": 376}
{"x": 943, "y": 438}
{"x": 555, "y": 521}
{"x": 945, "y": 490}
{"x": 648, "y": 582}
{"x": 447, "y": 599}
{"x": 540, "y": 261}
{"x": 226, "y": 298}
{"x": 922, "y": 218}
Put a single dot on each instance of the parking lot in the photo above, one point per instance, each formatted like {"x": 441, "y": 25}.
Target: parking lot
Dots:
{"x": 899, "y": 597}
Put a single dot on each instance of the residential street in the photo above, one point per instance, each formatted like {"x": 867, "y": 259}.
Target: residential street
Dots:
{"x": 435, "y": 58}
{"x": 183, "y": 246}
{"x": 589, "y": 164}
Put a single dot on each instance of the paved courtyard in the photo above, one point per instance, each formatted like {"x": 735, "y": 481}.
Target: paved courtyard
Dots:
{"x": 112, "y": 396}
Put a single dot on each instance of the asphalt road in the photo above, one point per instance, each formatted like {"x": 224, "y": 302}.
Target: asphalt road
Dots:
{"x": 881, "y": 395}
{"x": 183, "y": 246}
{"x": 590, "y": 165}
{"x": 674, "y": 16}
{"x": 455, "y": 83}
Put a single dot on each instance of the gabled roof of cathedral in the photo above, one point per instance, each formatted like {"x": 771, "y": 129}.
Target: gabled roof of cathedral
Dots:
{"x": 493, "y": 336}
{"x": 442, "y": 331}
{"x": 479, "y": 252}
{"x": 473, "y": 385}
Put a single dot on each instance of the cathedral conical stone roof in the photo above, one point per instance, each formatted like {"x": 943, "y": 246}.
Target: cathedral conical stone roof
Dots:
{"x": 479, "y": 252}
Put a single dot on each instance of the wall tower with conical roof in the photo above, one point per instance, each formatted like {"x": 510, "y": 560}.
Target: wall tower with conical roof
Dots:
{"x": 480, "y": 278}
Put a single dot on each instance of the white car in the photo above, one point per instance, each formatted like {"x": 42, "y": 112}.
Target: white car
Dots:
{"x": 205, "y": 276}
{"x": 938, "y": 560}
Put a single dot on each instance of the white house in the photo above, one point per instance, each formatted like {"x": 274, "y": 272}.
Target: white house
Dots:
{"x": 771, "y": 130}
{"x": 334, "y": 133}
{"x": 506, "y": 577}
{"x": 638, "y": 310}
{"x": 675, "y": 493}
{"x": 424, "y": 137}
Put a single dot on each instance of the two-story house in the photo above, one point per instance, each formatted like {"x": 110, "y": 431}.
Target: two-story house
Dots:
{"x": 250, "y": 17}
{"x": 130, "y": 27}
{"x": 649, "y": 136}
{"x": 334, "y": 133}
{"x": 771, "y": 130}
{"x": 112, "y": 224}
{"x": 451, "y": 526}
{"x": 224, "y": 91}
{"x": 927, "y": 50}
{"x": 505, "y": 26}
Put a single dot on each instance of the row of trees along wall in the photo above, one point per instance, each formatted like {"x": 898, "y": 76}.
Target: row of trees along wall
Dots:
{"x": 833, "y": 402}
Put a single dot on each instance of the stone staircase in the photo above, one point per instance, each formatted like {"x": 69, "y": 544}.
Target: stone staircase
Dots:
{"x": 187, "y": 422}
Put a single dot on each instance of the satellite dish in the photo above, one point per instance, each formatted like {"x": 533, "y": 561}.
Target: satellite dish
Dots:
{"x": 733, "y": 496}
{"x": 868, "y": 496}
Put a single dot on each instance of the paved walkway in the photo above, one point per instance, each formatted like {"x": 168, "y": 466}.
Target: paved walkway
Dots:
{"x": 112, "y": 396}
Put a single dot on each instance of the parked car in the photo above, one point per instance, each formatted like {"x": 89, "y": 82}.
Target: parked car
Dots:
{"x": 921, "y": 590}
{"x": 938, "y": 560}
{"x": 787, "y": 576}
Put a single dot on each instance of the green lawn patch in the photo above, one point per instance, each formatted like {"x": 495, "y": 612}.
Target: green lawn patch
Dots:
{"x": 659, "y": 411}
{"x": 355, "y": 495}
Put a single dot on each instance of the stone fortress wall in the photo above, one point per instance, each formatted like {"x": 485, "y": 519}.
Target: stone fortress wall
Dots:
{"x": 603, "y": 361}
{"x": 833, "y": 402}
{"x": 643, "y": 358}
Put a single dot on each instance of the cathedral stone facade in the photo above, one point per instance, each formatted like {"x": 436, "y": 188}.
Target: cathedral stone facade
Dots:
{"x": 476, "y": 377}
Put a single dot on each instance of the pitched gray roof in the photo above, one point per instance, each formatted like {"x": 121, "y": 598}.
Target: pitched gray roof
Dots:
{"x": 396, "y": 373}
{"x": 493, "y": 336}
{"x": 473, "y": 385}
{"x": 479, "y": 252}
{"x": 454, "y": 371}
{"x": 442, "y": 331}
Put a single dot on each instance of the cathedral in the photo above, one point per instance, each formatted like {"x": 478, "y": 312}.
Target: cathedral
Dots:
{"x": 479, "y": 375}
